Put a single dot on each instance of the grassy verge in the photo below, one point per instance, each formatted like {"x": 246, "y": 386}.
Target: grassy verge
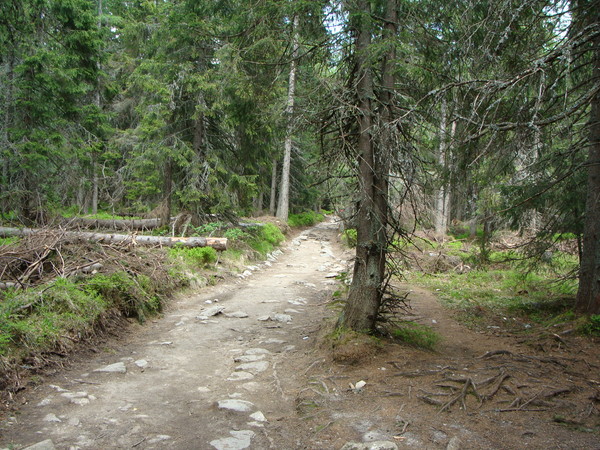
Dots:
{"x": 503, "y": 289}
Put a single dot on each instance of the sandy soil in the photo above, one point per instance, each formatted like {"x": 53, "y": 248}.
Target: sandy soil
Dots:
{"x": 187, "y": 381}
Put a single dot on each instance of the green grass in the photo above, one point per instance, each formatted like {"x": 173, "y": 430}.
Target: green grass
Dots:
{"x": 417, "y": 335}
{"x": 9, "y": 240}
{"x": 484, "y": 295}
{"x": 37, "y": 319}
{"x": 196, "y": 257}
{"x": 490, "y": 288}
{"x": 591, "y": 326}
{"x": 305, "y": 219}
{"x": 264, "y": 239}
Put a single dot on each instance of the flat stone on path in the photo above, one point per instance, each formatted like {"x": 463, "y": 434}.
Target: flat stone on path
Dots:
{"x": 141, "y": 363}
{"x": 44, "y": 445}
{"x": 233, "y": 404}
{"x": 237, "y": 315}
{"x": 257, "y": 351}
{"x": 249, "y": 358}
{"x": 210, "y": 312}
{"x": 113, "y": 368}
{"x": 240, "y": 376}
{"x": 375, "y": 445}
{"x": 51, "y": 418}
{"x": 253, "y": 367}
{"x": 238, "y": 440}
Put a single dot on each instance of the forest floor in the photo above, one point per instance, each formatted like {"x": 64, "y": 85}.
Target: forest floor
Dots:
{"x": 189, "y": 380}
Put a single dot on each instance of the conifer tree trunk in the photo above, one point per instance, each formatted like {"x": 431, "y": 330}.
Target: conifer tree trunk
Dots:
{"x": 364, "y": 297}
{"x": 284, "y": 190}
{"x": 588, "y": 295}
{"x": 8, "y": 112}
{"x": 273, "y": 200}
{"x": 167, "y": 192}
{"x": 95, "y": 180}
{"x": 442, "y": 194}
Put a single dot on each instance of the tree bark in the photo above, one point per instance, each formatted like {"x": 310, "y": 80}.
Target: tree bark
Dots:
{"x": 284, "y": 190}
{"x": 588, "y": 295}
{"x": 273, "y": 200}
{"x": 113, "y": 224}
{"x": 95, "y": 180}
{"x": 364, "y": 297}
{"x": 167, "y": 192}
{"x": 128, "y": 239}
{"x": 442, "y": 195}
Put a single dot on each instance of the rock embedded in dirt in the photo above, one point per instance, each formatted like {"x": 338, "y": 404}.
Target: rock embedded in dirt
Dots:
{"x": 284, "y": 318}
{"x": 240, "y": 376}
{"x": 454, "y": 444}
{"x": 237, "y": 315}
{"x": 232, "y": 404}
{"x": 375, "y": 445}
{"x": 258, "y": 416}
{"x": 257, "y": 351}
{"x": 45, "y": 402}
{"x": 253, "y": 367}
{"x": 159, "y": 438}
{"x": 44, "y": 445}
{"x": 249, "y": 358}
{"x": 141, "y": 363}
{"x": 375, "y": 436}
{"x": 238, "y": 440}
{"x": 213, "y": 311}
{"x": 113, "y": 368}
{"x": 51, "y": 418}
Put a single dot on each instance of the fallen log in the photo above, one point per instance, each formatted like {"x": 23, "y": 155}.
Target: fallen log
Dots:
{"x": 114, "y": 224}
{"x": 127, "y": 239}
{"x": 133, "y": 224}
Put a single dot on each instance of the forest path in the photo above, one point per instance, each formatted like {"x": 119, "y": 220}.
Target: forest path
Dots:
{"x": 186, "y": 381}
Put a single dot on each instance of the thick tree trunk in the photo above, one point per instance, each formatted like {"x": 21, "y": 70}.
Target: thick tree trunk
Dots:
{"x": 588, "y": 295}
{"x": 284, "y": 190}
{"x": 216, "y": 243}
{"x": 364, "y": 297}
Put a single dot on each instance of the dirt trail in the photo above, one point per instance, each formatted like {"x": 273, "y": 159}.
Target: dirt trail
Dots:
{"x": 193, "y": 381}
{"x": 171, "y": 375}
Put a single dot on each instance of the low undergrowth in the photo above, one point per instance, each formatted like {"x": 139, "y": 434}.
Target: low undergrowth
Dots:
{"x": 506, "y": 290}
{"x": 305, "y": 219}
